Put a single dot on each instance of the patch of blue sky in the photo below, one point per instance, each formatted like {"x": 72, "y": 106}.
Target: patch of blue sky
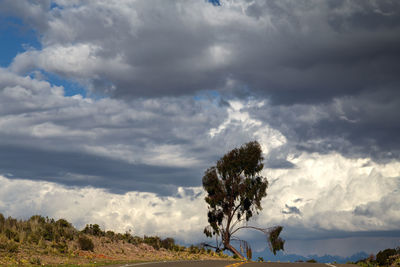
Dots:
{"x": 208, "y": 96}
{"x": 54, "y": 5}
{"x": 215, "y": 2}
{"x": 71, "y": 87}
{"x": 15, "y": 38}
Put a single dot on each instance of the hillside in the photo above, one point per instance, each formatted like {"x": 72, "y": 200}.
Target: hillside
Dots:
{"x": 44, "y": 241}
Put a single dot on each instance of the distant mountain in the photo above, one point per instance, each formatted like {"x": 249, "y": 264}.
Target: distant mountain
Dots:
{"x": 283, "y": 257}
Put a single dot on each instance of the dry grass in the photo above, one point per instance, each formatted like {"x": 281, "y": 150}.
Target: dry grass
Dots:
{"x": 105, "y": 251}
{"x": 43, "y": 241}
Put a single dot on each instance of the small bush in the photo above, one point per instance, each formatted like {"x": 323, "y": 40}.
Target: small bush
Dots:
{"x": 168, "y": 243}
{"x": 93, "y": 229}
{"x": 12, "y": 247}
{"x": 153, "y": 241}
{"x": 312, "y": 261}
{"x": 60, "y": 247}
{"x": 384, "y": 257}
{"x": 85, "y": 243}
{"x": 35, "y": 261}
{"x": 193, "y": 249}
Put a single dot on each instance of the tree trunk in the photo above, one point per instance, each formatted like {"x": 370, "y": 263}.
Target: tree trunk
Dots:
{"x": 234, "y": 250}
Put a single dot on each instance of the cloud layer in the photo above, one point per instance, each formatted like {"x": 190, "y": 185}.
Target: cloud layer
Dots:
{"x": 172, "y": 86}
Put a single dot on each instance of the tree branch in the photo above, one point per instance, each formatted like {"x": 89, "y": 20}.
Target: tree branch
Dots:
{"x": 264, "y": 230}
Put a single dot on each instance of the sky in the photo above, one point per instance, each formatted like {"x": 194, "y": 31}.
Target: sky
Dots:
{"x": 111, "y": 111}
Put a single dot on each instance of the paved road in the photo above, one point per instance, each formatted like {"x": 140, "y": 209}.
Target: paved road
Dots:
{"x": 229, "y": 264}
{"x": 204, "y": 263}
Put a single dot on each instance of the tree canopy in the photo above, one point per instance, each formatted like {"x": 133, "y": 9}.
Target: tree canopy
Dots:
{"x": 235, "y": 189}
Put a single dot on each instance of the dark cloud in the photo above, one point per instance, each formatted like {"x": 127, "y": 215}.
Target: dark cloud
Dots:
{"x": 337, "y": 58}
{"x": 292, "y": 52}
{"x": 79, "y": 169}
{"x": 291, "y": 210}
{"x": 355, "y": 126}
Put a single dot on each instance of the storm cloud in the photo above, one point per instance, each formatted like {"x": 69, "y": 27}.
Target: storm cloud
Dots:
{"x": 170, "y": 86}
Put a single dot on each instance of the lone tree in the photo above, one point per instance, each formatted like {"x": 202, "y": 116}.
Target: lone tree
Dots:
{"x": 234, "y": 192}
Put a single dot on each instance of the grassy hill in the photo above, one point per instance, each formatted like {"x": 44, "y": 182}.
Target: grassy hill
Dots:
{"x": 45, "y": 241}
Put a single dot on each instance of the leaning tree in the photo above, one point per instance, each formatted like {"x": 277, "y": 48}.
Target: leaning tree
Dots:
{"x": 235, "y": 189}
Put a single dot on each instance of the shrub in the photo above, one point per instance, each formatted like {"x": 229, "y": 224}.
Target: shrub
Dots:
{"x": 61, "y": 247}
{"x": 168, "y": 243}
{"x": 110, "y": 234}
{"x": 312, "y": 261}
{"x": 85, "y": 243}
{"x": 35, "y": 261}
{"x": 2, "y": 221}
{"x": 10, "y": 234}
{"x": 384, "y": 257}
{"x": 62, "y": 223}
{"x": 47, "y": 232}
{"x": 35, "y": 237}
{"x": 12, "y": 247}
{"x": 153, "y": 241}
{"x": 193, "y": 249}
{"x": 93, "y": 229}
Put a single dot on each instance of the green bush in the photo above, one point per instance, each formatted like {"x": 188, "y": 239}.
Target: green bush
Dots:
{"x": 10, "y": 234}
{"x": 12, "y": 247}
{"x": 61, "y": 247}
{"x": 93, "y": 229}
{"x": 193, "y": 249}
{"x": 35, "y": 261}
{"x": 153, "y": 241}
{"x": 168, "y": 243}
{"x": 385, "y": 257}
{"x": 312, "y": 261}
{"x": 85, "y": 243}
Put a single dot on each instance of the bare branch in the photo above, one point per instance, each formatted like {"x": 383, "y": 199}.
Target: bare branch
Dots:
{"x": 264, "y": 230}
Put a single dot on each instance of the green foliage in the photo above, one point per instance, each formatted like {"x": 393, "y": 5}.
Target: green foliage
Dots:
{"x": 85, "y": 243}
{"x": 193, "y": 249}
{"x": 110, "y": 234}
{"x": 311, "y": 261}
{"x": 10, "y": 234}
{"x": 153, "y": 241}
{"x": 235, "y": 189}
{"x": 35, "y": 261}
{"x": 260, "y": 259}
{"x": 54, "y": 235}
{"x": 36, "y": 230}
{"x": 385, "y": 257}
{"x": 234, "y": 186}
{"x": 61, "y": 247}
{"x": 168, "y": 243}
{"x": 7, "y": 245}
{"x": 93, "y": 229}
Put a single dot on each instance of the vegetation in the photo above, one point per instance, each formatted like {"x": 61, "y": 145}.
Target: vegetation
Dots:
{"x": 388, "y": 257}
{"x": 37, "y": 239}
{"x": 235, "y": 189}
{"x": 85, "y": 243}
